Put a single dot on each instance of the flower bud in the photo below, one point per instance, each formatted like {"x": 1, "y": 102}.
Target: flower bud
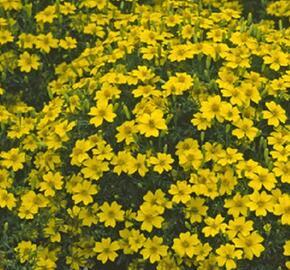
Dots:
{"x": 126, "y": 111}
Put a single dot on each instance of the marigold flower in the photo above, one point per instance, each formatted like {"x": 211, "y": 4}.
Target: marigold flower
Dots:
{"x": 27, "y": 62}
{"x": 214, "y": 226}
{"x": 107, "y": 250}
{"x": 245, "y": 129}
{"x": 153, "y": 249}
{"x": 184, "y": 245}
{"x": 102, "y": 111}
{"x": 180, "y": 192}
{"x": 7, "y": 199}
{"x": 150, "y": 124}
{"x": 5, "y": 37}
{"x": 276, "y": 59}
{"x": 150, "y": 216}
{"x": 51, "y": 182}
{"x": 261, "y": 203}
{"x": 282, "y": 208}
{"x": 162, "y": 162}
{"x": 26, "y": 250}
{"x": 275, "y": 114}
{"x": 13, "y": 159}
{"x": 111, "y": 214}
{"x": 83, "y": 192}
{"x": 251, "y": 244}
{"x": 195, "y": 209}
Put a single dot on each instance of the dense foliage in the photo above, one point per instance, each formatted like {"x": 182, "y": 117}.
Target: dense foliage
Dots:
{"x": 144, "y": 135}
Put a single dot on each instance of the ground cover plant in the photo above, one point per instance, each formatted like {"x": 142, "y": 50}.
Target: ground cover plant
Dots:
{"x": 144, "y": 135}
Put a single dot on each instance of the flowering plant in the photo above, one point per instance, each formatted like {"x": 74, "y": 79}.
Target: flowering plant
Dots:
{"x": 144, "y": 135}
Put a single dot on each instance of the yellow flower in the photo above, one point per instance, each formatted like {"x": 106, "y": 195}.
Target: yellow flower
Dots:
{"x": 139, "y": 165}
{"x": 245, "y": 129}
{"x": 167, "y": 262}
{"x": 276, "y": 59}
{"x": 275, "y": 114}
{"x": 26, "y": 41}
{"x": 247, "y": 168}
{"x": 202, "y": 251}
{"x": 143, "y": 73}
{"x": 157, "y": 198}
{"x": 94, "y": 168}
{"x": 229, "y": 156}
{"x": 46, "y": 42}
{"x": 5, "y": 179}
{"x": 186, "y": 144}
{"x": 103, "y": 151}
{"x": 150, "y": 124}
{"x": 230, "y": 113}
{"x": 282, "y": 169}
{"x": 227, "y": 182}
{"x": 79, "y": 152}
{"x": 136, "y": 240}
{"x": 214, "y": 226}
{"x": 107, "y": 250}
{"x": 200, "y": 121}
{"x": 239, "y": 226}
{"x": 286, "y": 248}
{"x": 180, "y": 53}
{"x": 107, "y": 92}
{"x": 13, "y": 159}
{"x": 68, "y": 43}
{"x": 227, "y": 256}
{"x": 250, "y": 93}
{"x": 89, "y": 215}
{"x": 216, "y": 35}
{"x": 67, "y": 8}
{"x": 30, "y": 204}
{"x": 145, "y": 91}
{"x": 46, "y": 15}
{"x": 27, "y": 211}
{"x": 161, "y": 162}
{"x": 111, "y": 214}
{"x": 191, "y": 158}
{"x": 126, "y": 132}
{"x": 236, "y": 95}
{"x": 153, "y": 249}
{"x": 227, "y": 81}
{"x": 5, "y": 37}
{"x": 184, "y": 245}
{"x": 281, "y": 153}
{"x": 51, "y": 230}
{"x": 172, "y": 20}
{"x": 183, "y": 81}
{"x": 150, "y": 216}
{"x": 122, "y": 162}
{"x": 260, "y": 203}
{"x": 26, "y": 250}
{"x": 180, "y": 192}
{"x": 11, "y": 5}
{"x": 212, "y": 108}
{"x": 7, "y": 199}
{"x": 149, "y": 52}
{"x": 251, "y": 244}
{"x": 83, "y": 192}
{"x": 102, "y": 111}
{"x": 195, "y": 209}
{"x": 27, "y": 62}
{"x": 282, "y": 208}
{"x": 262, "y": 178}
{"x": 52, "y": 182}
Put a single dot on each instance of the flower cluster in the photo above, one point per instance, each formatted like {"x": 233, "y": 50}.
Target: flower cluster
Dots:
{"x": 160, "y": 139}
